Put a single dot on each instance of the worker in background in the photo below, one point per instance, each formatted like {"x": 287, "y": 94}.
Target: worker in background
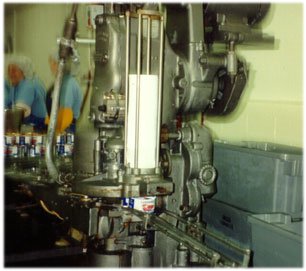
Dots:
{"x": 71, "y": 96}
{"x": 24, "y": 90}
{"x": 6, "y": 93}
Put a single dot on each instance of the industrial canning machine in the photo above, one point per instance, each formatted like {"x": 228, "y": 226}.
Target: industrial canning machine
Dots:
{"x": 141, "y": 173}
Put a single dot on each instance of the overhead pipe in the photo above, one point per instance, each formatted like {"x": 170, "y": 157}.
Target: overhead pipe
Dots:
{"x": 80, "y": 41}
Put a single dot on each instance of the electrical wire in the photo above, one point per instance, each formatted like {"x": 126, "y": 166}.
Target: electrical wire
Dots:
{"x": 50, "y": 212}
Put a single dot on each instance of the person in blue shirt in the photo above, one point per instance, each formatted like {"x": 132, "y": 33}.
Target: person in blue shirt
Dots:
{"x": 71, "y": 96}
{"x": 26, "y": 91}
{"x": 6, "y": 94}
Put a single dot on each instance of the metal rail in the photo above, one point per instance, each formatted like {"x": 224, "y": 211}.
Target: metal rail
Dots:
{"x": 127, "y": 71}
{"x": 201, "y": 228}
{"x": 207, "y": 254}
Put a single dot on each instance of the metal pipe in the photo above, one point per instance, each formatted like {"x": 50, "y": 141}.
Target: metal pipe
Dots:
{"x": 69, "y": 34}
{"x": 52, "y": 124}
{"x": 80, "y": 41}
{"x": 182, "y": 254}
{"x": 207, "y": 254}
{"x": 97, "y": 156}
{"x": 138, "y": 90}
{"x": 148, "y": 44}
{"x": 74, "y": 10}
{"x": 127, "y": 70}
{"x": 215, "y": 236}
{"x": 159, "y": 89}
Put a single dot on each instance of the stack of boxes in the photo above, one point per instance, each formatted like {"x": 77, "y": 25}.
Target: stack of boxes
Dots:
{"x": 259, "y": 202}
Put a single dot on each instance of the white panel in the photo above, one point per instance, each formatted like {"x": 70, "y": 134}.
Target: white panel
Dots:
{"x": 147, "y": 120}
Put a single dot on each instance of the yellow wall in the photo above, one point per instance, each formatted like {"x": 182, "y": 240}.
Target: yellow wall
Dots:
{"x": 271, "y": 108}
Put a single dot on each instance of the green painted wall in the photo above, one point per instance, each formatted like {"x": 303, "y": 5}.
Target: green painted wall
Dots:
{"x": 271, "y": 108}
{"x": 37, "y": 27}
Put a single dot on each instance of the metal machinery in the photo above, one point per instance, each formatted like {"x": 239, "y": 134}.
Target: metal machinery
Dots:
{"x": 154, "y": 64}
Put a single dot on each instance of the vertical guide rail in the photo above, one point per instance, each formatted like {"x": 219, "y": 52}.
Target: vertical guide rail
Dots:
{"x": 138, "y": 89}
{"x": 148, "y": 44}
{"x": 159, "y": 89}
{"x": 127, "y": 70}
{"x": 142, "y": 15}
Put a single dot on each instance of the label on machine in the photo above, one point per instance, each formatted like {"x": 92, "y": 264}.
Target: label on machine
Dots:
{"x": 144, "y": 204}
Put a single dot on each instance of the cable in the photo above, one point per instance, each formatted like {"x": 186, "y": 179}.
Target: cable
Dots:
{"x": 48, "y": 211}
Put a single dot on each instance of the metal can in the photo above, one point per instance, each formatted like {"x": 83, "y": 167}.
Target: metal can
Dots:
{"x": 70, "y": 138}
{"x": 144, "y": 204}
{"x": 44, "y": 138}
{"x": 68, "y": 149}
{"x": 60, "y": 139}
{"x": 61, "y": 149}
{"x": 10, "y": 139}
{"x": 20, "y": 140}
{"x": 28, "y": 139}
{"x": 37, "y": 149}
{"x": 43, "y": 150}
{"x": 12, "y": 150}
{"x": 8, "y": 150}
{"x": 31, "y": 151}
{"x": 21, "y": 150}
{"x": 37, "y": 139}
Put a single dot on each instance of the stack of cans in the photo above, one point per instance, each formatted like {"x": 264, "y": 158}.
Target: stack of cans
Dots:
{"x": 33, "y": 145}
{"x": 10, "y": 147}
{"x": 64, "y": 144}
{"x": 21, "y": 145}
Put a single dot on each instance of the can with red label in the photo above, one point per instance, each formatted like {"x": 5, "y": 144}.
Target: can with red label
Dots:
{"x": 37, "y": 139}
{"x": 12, "y": 151}
{"x": 43, "y": 149}
{"x": 8, "y": 150}
{"x": 144, "y": 204}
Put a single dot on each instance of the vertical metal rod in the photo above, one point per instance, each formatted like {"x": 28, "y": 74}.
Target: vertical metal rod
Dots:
{"x": 138, "y": 90}
{"x": 159, "y": 89}
{"x": 148, "y": 44}
{"x": 127, "y": 70}
{"x": 97, "y": 156}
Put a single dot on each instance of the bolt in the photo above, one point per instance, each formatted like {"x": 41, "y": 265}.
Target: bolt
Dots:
{"x": 184, "y": 208}
{"x": 203, "y": 60}
{"x": 183, "y": 83}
